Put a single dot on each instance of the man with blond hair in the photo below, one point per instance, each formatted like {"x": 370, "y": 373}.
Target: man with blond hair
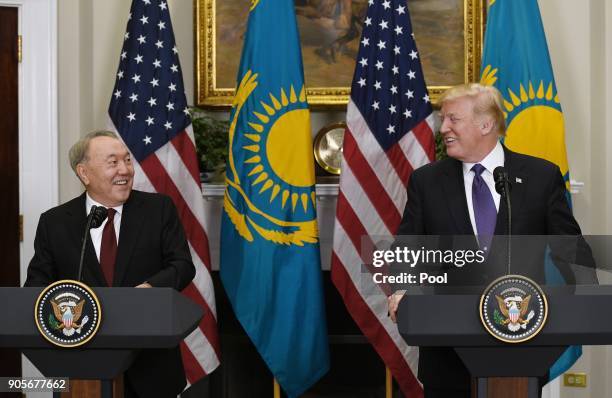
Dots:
{"x": 140, "y": 244}
{"x": 457, "y": 196}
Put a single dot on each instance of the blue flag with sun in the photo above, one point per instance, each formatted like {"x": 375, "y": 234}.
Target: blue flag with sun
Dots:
{"x": 270, "y": 261}
{"x": 516, "y": 61}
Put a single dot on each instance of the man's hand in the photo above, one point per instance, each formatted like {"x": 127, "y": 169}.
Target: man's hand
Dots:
{"x": 144, "y": 285}
{"x": 394, "y": 301}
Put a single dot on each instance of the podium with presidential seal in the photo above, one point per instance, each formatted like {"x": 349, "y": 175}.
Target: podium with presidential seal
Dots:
{"x": 70, "y": 330}
{"x": 513, "y": 330}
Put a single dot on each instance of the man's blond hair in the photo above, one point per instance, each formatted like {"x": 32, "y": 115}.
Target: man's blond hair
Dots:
{"x": 487, "y": 101}
{"x": 78, "y": 151}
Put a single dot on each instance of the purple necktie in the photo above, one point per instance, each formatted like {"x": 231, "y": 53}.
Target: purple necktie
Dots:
{"x": 485, "y": 213}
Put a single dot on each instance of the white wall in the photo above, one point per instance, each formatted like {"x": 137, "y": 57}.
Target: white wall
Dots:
{"x": 606, "y": 102}
{"x": 573, "y": 82}
{"x": 576, "y": 37}
{"x": 90, "y": 39}
{"x": 74, "y": 82}
{"x": 580, "y": 44}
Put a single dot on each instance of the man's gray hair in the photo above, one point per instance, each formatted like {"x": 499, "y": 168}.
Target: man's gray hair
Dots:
{"x": 78, "y": 152}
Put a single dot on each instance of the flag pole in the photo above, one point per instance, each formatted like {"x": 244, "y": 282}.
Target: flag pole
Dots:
{"x": 277, "y": 393}
{"x": 388, "y": 383}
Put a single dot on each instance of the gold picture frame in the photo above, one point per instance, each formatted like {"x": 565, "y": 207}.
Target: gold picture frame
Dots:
{"x": 448, "y": 57}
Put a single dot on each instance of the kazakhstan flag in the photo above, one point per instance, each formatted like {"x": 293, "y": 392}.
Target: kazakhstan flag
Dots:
{"x": 270, "y": 264}
{"x": 516, "y": 61}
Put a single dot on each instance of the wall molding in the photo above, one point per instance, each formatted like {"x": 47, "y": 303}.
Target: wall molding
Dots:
{"x": 38, "y": 125}
{"x": 38, "y": 133}
{"x": 214, "y": 191}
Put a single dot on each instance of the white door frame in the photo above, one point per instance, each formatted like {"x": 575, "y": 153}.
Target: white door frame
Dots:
{"x": 38, "y": 124}
{"x": 38, "y": 118}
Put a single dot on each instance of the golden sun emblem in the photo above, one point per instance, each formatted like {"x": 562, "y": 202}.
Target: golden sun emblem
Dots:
{"x": 534, "y": 118}
{"x": 287, "y": 142}
{"x": 276, "y": 152}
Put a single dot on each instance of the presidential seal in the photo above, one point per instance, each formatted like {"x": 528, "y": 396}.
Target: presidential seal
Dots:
{"x": 513, "y": 309}
{"x": 67, "y": 313}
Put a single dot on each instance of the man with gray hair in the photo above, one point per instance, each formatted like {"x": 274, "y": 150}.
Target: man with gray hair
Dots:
{"x": 140, "y": 244}
{"x": 457, "y": 196}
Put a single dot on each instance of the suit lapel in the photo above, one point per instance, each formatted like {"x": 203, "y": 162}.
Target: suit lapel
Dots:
{"x": 78, "y": 218}
{"x": 454, "y": 190}
{"x": 131, "y": 224}
{"x": 517, "y": 180}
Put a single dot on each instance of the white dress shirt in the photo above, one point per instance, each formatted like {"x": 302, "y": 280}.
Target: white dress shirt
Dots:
{"x": 96, "y": 233}
{"x": 494, "y": 159}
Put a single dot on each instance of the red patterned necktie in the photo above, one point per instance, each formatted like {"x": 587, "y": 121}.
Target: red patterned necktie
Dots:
{"x": 108, "y": 248}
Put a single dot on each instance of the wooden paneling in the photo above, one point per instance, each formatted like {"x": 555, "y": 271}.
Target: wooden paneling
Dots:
{"x": 507, "y": 387}
{"x": 91, "y": 389}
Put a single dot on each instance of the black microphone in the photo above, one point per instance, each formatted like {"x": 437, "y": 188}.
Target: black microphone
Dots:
{"x": 97, "y": 215}
{"x": 502, "y": 186}
{"x": 501, "y": 180}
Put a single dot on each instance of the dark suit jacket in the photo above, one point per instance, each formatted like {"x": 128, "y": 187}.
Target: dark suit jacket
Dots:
{"x": 437, "y": 206}
{"x": 152, "y": 248}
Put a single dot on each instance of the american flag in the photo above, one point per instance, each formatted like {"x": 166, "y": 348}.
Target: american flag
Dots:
{"x": 389, "y": 134}
{"x": 149, "y": 110}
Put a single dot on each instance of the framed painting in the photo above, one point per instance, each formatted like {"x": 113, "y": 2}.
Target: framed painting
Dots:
{"x": 448, "y": 34}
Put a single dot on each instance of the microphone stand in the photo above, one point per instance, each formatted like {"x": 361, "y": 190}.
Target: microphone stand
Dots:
{"x": 94, "y": 220}
{"x": 502, "y": 186}
{"x": 509, "y": 207}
